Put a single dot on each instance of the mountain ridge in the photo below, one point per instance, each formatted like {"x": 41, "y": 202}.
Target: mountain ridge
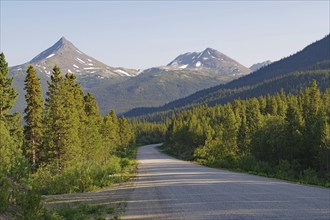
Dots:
{"x": 257, "y": 66}
{"x": 159, "y": 85}
{"x": 123, "y": 89}
{"x": 70, "y": 59}
{"x": 209, "y": 60}
{"x": 315, "y": 56}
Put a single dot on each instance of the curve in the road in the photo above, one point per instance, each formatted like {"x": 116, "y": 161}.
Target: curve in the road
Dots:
{"x": 167, "y": 188}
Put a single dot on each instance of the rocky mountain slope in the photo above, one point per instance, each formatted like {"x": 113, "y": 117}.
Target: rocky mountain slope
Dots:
{"x": 124, "y": 89}
{"x": 208, "y": 60}
{"x": 257, "y": 66}
{"x": 90, "y": 72}
{"x": 183, "y": 76}
{"x": 71, "y": 60}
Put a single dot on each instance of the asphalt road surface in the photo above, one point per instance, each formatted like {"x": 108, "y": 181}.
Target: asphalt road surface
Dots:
{"x": 167, "y": 188}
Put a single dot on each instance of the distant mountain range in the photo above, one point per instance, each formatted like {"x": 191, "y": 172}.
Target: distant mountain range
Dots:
{"x": 290, "y": 74}
{"x": 123, "y": 88}
{"x": 183, "y": 76}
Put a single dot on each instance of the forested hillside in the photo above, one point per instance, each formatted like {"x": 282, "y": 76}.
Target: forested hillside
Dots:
{"x": 65, "y": 146}
{"x": 286, "y": 136}
{"x": 291, "y": 74}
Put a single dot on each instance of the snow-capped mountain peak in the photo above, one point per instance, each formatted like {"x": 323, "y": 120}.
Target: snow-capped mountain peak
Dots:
{"x": 210, "y": 60}
{"x": 71, "y": 60}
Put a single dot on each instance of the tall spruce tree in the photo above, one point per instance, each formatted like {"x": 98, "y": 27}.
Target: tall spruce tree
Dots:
{"x": 62, "y": 121}
{"x": 293, "y": 128}
{"x": 9, "y": 142}
{"x": 92, "y": 146}
{"x": 125, "y": 134}
{"x": 8, "y": 94}
{"x": 312, "y": 128}
{"x": 33, "y": 116}
{"x": 230, "y": 130}
{"x": 109, "y": 134}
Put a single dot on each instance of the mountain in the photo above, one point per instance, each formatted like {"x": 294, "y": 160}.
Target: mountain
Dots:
{"x": 183, "y": 76}
{"x": 70, "y": 59}
{"x": 257, "y": 66}
{"x": 90, "y": 72}
{"x": 124, "y": 89}
{"x": 291, "y": 74}
{"x": 209, "y": 60}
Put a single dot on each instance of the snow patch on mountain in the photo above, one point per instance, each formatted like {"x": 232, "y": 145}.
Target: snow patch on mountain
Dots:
{"x": 122, "y": 72}
{"x": 50, "y": 56}
{"x": 80, "y": 60}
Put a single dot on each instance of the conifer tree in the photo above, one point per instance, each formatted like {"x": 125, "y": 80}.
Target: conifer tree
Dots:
{"x": 312, "y": 128}
{"x": 62, "y": 121}
{"x": 253, "y": 115}
{"x": 109, "y": 135}
{"x": 125, "y": 134}
{"x": 53, "y": 111}
{"x": 93, "y": 148}
{"x": 230, "y": 130}
{"x": 114, "y": 131}
{"x": 243, "y": 140}
{"x": 8, "y": 94}
{"x": 294, "y": 123}
{"x": 33, "y": 115}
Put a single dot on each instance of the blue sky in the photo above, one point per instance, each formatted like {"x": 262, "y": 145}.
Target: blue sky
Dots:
{"x": 141, "y": 34}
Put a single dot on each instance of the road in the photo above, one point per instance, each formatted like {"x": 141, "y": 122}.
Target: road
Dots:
{"x": 167, "y": 188}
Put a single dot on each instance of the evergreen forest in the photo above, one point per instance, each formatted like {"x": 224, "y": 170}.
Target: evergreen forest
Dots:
{"x": 284, "y": 136}
{"x": 61, "y": 145}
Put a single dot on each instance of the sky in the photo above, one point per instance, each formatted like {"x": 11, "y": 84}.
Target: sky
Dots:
{"x": 143, "y": 34}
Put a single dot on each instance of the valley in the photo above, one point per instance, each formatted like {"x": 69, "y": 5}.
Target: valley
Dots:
{"x": 164, "y": 110}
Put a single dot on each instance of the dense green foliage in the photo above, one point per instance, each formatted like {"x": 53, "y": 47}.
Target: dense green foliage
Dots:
{"x": 149, "y": 133}
{"x": 33, "y": 116}
{"x": 286, "y": 136}
{"x": 67, "y": 145}
{"x": 14, "y": 167}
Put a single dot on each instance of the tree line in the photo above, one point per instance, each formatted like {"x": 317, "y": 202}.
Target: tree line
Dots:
{"x": 64, "y": 145}
{"x": 286, "y": 136}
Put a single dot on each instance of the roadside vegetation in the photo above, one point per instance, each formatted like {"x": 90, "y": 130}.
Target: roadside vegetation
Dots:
{"x": 281, "y": 136}
{"x": 64, "y": 146}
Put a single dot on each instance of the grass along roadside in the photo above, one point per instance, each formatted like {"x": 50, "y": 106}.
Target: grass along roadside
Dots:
{"x": 283, "y": 171}
{"x": 108, "y": 202}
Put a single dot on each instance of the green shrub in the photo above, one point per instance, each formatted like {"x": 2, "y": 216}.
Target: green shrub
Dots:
{"x": 81, "y": 211}
{"x": 229, "y": 162}
{"x": 248, "y": 162}
{"x": 309, "y": 176}
{"x": 284, "y": 170}
{"x": 43, "y": 179}
{"x": 263, "y": 168}
{"x": 4, "y": 193}
{"x": 29, "y": 203}
{"x": 82, "y": 177}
